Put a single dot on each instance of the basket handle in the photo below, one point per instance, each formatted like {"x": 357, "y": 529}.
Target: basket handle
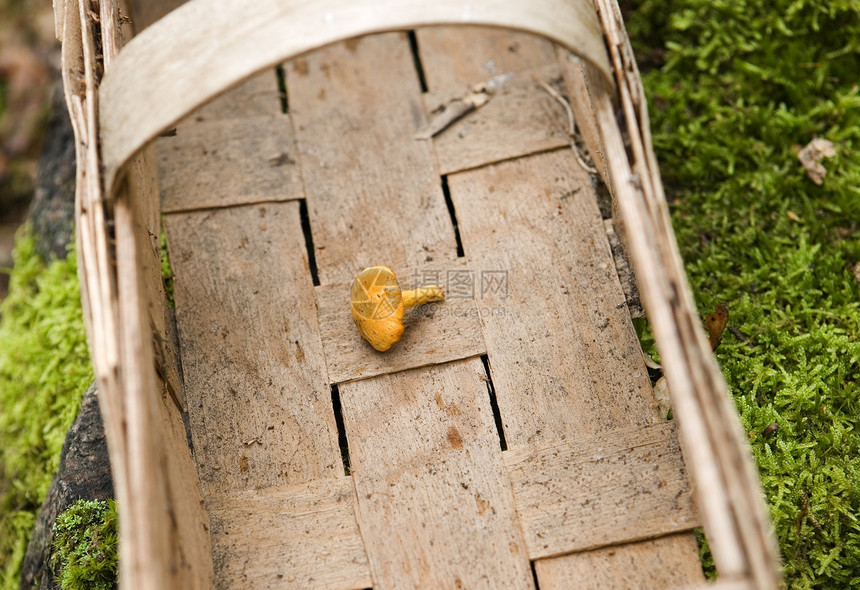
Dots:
{"x": 206, "y": 47}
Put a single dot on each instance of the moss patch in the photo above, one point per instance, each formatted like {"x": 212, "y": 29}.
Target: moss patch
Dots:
{"x": 85, "y": 545}
{"x": 166, "y": 271}
{"x": 734, "y": 87}
{"x": 44, "y": 370}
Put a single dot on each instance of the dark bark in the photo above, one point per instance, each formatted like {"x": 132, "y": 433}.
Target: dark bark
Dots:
{"x": 84, "y": 474}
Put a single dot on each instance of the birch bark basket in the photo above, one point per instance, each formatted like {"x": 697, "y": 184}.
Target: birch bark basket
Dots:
{"x": 121, "y": 100}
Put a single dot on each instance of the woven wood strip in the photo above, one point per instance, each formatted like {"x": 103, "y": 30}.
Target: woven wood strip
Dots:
{"x": 520, "y": 118}
{"x": 258, "y": 397}
{"x": 144, "y": 437}
{"x": 621, "y": 486}
{"x": 434, "y": 334}
{"x": 142, "y": 187}
{"x": 236, "y": 150}
{"x": 233, "y": 162}
{"x": 434, "y": 503}
{"x": 302, "y": 536}
{"x": 455, "y": 58}
{"x": 147, "y": 77}
{"x": 581, "y": 84}
{"x": 258, "y": 97}
{"x": 188, "y": 542}
{"x": 626, "y": 567}
{"x": 374, "y": 195}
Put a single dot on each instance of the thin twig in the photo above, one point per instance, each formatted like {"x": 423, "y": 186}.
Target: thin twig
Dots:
{"x": 571, "y": 123}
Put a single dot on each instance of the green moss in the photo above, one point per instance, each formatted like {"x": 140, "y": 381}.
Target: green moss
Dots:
{"x": 166, "y": 271}
{"x": 85, "y": 545}
{"x": 734, "y": 87}
{"x": 44, "y": 370}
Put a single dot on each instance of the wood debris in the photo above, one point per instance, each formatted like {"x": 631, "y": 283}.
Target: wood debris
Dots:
{"x": 810, "y": 156}
{"x": 455, "y": 109}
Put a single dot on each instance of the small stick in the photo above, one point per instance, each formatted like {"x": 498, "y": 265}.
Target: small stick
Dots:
{"x": 570, "y": 123}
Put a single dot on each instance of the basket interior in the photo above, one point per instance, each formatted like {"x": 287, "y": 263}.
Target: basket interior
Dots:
{"x": 511, "y": 438}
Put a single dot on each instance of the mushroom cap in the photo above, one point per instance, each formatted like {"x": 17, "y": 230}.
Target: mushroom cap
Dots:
{"x": 376, "y": 302}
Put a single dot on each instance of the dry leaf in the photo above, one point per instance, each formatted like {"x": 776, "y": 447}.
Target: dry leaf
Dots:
{"x": 715, "y": 323}
{"x": 811, "y": 155}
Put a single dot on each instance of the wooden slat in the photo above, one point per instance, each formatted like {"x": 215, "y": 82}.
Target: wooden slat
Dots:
{"x": 143, "y": 198}
{"x": 435, "y": 333}
{"x": 152, "y": 519}
{"x": 626, "y": 567}
{"x": 228, "y": 162}
{"x": 256, "y": 98}
{"x": 457, "y": 57}
{"x": 581, "y": 83}
{"x": 568, "y": 363}
{"x": 303, "y": 536}
{"x": 178, "y": 512}
{"x": 625, "y": 485}
{"x": 374, "y": 196}
{"x": 258, "y": 397}
{"x": 520, "y": 119}
{"x": 238, "y": 149}
{"x": 189, "y": 541}
{"x": 434, "y": 503}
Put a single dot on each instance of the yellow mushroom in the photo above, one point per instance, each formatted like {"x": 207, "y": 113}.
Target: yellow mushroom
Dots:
{"x": 378, "y": 305}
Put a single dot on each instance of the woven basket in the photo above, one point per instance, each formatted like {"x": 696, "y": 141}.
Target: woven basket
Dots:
{"x": 511, "y": 439}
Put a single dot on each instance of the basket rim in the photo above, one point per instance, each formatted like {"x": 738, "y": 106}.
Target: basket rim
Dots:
{"x": 146, "y": 90}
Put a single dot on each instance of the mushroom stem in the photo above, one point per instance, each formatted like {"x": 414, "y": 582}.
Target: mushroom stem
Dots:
{"x": 421, "y": 295}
